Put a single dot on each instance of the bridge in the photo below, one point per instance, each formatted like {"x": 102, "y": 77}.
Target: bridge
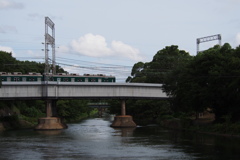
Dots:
{"x": 68, "y": 90}
{"x": 100, "y": 106}
{"x": 53, "y": 91}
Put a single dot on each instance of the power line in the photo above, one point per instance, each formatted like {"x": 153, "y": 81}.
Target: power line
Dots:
{"x": 93, "y": 62}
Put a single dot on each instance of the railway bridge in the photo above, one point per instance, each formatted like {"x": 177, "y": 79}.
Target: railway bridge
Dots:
{"x": 53, "y": 91}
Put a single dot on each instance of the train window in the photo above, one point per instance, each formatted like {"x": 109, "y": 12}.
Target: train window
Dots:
{"x": 72, "y": 79}
{"x": 8, "y": 79}
{"x": 24, "y": 79}
{"x": 65, "y": 79}
{"x": 79, "y": 80}
{"x": 16, "y": 79}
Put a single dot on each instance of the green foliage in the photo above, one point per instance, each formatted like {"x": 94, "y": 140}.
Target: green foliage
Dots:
{"x": 115, "y": 106}
{"x": 10, "y": 64}
{"x": 73, "y": 110}
{"x": 163, "y": 62}
{"x": 148, "y": 111}
{"x": 209, "y": 80}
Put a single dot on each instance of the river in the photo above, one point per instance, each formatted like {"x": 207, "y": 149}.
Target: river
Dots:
{"x": 93, "y": 139}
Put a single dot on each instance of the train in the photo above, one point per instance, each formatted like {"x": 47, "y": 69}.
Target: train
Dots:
{"x": 59, "y": 77}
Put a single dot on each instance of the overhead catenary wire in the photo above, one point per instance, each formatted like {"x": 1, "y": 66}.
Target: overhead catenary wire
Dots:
{"x": 98, "y": 63}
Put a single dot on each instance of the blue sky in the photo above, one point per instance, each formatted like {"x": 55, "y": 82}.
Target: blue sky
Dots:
{"x": 110, "y": 36}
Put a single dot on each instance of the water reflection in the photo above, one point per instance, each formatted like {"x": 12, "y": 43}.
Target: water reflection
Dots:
{"x": 94, "y": 139}
{"x": 124, "y": 132}
{"x": 49, "y": 132}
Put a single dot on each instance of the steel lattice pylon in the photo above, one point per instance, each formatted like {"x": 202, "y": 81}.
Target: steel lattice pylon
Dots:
{"x": 209, "y": 38}
{"x": 49, "y": 40}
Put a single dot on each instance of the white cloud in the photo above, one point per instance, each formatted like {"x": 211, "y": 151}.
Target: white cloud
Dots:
{"x": 125, "y": 50}
{"x": 91, "y": 45}
{"x": 96, "y": 46}
{"x": 8, "y": 4}
{"x": 7, "y": 49}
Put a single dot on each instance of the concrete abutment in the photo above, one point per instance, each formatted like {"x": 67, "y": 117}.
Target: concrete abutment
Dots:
{"x": 51, "y": 122}
{"x": 123, "y": 121}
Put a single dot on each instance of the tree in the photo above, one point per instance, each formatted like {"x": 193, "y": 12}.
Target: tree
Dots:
{"x": 210, "y": 80}
{"x": 137, "y": 74}
{"x": 73, "y": 110}
{"x": 163, "y": 63}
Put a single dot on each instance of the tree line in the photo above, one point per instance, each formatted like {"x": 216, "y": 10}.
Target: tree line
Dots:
{"x": 209, "y": 80}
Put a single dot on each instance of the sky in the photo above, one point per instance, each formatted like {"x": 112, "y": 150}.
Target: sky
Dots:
{"x": 110, "y": 36}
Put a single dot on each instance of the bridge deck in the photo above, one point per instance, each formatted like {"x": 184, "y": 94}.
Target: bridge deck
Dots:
{"x": 68, "y": 90}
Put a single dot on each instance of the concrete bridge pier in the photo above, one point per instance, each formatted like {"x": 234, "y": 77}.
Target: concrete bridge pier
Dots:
{"x": 123, "y": 121}
{"x": 51, "y": 122}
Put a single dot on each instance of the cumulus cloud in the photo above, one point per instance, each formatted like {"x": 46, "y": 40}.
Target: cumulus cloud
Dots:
{"x": 7, "y": 49}
{"x": 125, "y": 50}
{"x": 96, "y": 46}
{"x": 91, "y": 45}
{"x": 9, "y": 4}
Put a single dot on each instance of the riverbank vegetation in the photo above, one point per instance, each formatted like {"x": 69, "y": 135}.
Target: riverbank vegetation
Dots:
{"x": 207, "y": 82}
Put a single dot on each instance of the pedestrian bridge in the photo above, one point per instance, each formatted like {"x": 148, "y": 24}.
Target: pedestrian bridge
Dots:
{"x": 69, "y": 90}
